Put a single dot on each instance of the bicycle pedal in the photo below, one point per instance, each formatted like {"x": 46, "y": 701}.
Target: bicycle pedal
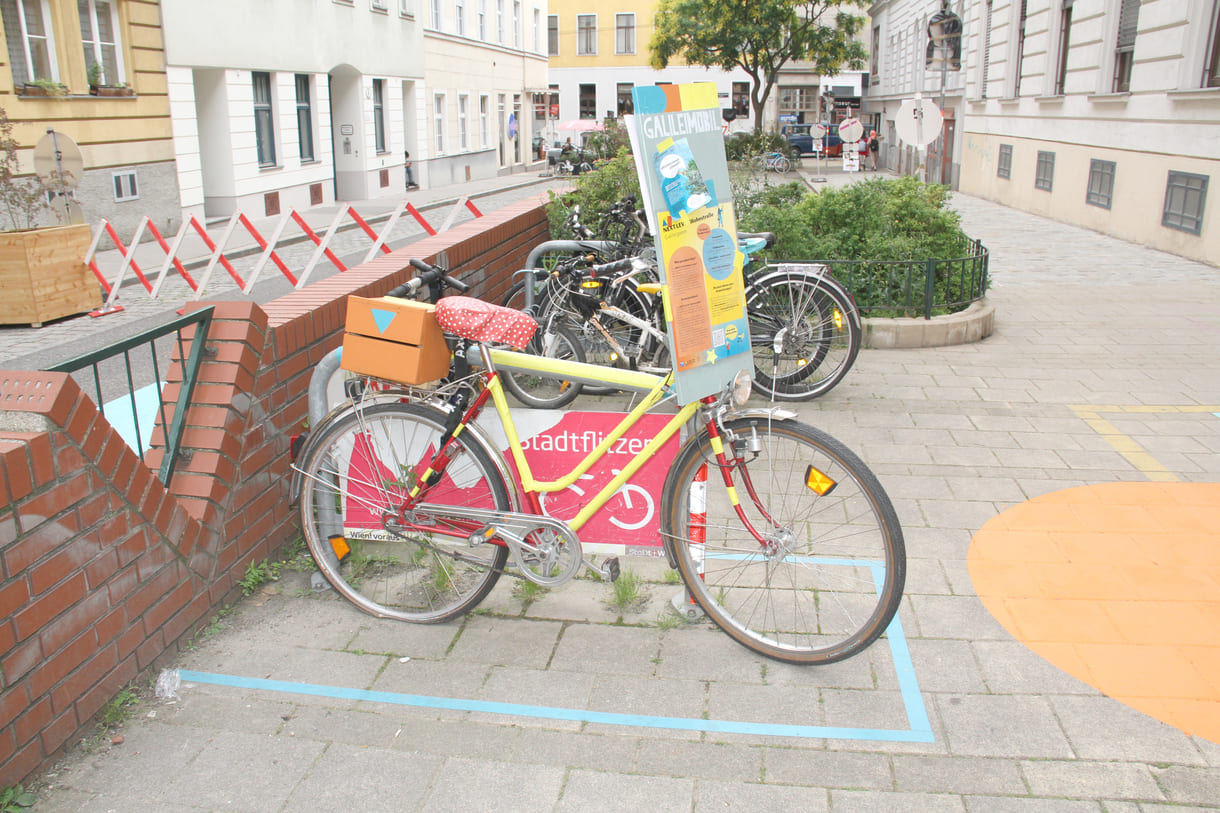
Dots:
{"x": 610, "y": 569}
{"x": 479, "y": 537}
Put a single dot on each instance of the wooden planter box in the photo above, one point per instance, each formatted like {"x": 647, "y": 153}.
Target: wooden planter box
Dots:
{"x": 44, "y": 276}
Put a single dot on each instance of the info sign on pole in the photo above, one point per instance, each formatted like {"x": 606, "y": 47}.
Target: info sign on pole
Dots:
{"x": 679, "y": 154}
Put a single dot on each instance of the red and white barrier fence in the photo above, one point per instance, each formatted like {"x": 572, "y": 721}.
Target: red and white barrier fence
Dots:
{"x": 111, "y": 283}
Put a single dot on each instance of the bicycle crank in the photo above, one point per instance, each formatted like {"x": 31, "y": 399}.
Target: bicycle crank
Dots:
{"x": 546, "y": 550}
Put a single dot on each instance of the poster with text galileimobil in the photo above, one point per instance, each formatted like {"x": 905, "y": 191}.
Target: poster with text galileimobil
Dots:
{"x": 678, "y": 144}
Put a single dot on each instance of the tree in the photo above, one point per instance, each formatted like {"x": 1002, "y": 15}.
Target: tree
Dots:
{"x": 758, "y": 36}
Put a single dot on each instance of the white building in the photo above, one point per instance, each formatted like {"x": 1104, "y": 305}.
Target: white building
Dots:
{"x": 291, "y": 103}
{"x": 1100, "y": 113}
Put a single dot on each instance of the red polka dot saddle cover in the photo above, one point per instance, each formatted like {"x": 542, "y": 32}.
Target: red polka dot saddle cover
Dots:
{"x": 482, "y": 321}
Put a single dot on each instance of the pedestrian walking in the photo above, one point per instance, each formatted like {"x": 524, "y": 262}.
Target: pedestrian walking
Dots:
{"x": 874, "y": 147}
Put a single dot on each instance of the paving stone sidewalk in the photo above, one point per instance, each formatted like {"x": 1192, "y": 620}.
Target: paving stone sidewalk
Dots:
{"x": 956, "y": 435}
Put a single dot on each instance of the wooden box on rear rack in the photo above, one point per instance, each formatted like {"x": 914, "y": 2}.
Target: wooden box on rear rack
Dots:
{"x": 395, "y": 339}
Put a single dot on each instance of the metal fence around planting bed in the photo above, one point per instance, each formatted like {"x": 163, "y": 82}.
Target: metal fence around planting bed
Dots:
{"x": 927, "y": 288}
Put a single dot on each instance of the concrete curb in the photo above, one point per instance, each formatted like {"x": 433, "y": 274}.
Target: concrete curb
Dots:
{"x": 971, "y": 325}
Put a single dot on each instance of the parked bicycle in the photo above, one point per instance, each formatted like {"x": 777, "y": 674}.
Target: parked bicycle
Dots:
{"x": 772, "y": 161}
{"x": 805, "y": 328}
{"x": 780, "y": 533}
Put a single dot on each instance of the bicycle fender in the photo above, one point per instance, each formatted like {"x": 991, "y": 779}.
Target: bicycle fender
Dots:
{"x": 772, "y": 413}
{"x": 824, "y": 276}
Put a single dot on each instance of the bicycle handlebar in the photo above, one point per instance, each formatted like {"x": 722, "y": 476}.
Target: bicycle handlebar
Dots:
{"x": 427, "y": 275}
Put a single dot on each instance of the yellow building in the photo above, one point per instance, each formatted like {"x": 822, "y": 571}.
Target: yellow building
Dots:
{"x": 117, "y": 112}
{"x": 599, "y": 52}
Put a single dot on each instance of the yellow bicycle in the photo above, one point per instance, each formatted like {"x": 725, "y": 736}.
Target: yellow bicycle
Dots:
{"x": 780, "y": 533}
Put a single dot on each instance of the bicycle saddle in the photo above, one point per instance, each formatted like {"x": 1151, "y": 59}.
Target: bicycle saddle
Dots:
{"x": 482, "y": 321}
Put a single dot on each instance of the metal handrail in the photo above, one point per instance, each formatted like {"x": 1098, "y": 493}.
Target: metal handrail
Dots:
{"x": 171, "y": 434}
{"x": 910, "y": 286}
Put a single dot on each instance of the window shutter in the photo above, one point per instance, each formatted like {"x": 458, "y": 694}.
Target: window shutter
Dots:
{"x": 1128, "y": 22}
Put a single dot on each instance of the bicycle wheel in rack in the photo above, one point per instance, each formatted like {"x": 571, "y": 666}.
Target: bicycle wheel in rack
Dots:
{"x": 805, "y": 331}
{"x": 828, "y": 576}
{"x": 358, "y": 474}
{"x": 552, "y": 340}
{"x": 782, "y": 165}
{"x": 597, "y": 347}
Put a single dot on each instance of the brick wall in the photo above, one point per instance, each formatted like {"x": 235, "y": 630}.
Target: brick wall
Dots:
{"x": 104, "y": 570}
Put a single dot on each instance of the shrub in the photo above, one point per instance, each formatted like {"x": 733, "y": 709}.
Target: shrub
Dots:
{"x": 878, "y": 220}
{"x": 595, "y": 193}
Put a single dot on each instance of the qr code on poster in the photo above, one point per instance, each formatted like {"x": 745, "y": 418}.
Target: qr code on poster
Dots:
{"x": 718, "y": 337}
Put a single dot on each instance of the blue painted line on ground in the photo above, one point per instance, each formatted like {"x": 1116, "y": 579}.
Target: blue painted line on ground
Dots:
{"x": 555, "y": 713}
{"x": 920, "y": 728}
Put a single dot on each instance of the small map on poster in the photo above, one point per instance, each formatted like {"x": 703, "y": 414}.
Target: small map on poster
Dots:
{"x": 679, "y": 154}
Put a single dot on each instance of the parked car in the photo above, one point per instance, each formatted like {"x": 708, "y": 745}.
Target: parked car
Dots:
{"x": 800, "y": 136}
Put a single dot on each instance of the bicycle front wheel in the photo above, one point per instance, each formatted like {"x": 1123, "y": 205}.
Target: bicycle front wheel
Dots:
{"x": 827, "y": 576}
{"x": 356, "y": 478}
{"x": 805, "y": 334}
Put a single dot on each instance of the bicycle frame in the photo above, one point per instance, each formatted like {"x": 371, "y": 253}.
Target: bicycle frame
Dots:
{"x": 655, "y": 389}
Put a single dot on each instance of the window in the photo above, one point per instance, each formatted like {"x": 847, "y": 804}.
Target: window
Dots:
{"x": 1211, "y": 66}
{"x": 1044, "y": 177}
{"x": 438, "y": 108}
{"x": 1124, "y": 51}
{"x": 586, "y": 34}
{"x": 741, "y": 98}
{"x": 379, "y": 5}
{"x": 625, "y": 105}
{"x": 1065, "y": 44}
{"x": 1101, "y": 183}
{"x": 484, "y": 121}
{"x": 624, "y": 33}
{"x": 99, "y": 28}
{"x": 516, "y": 23}
{"x": 800, "y": 101}
{"x": 588, "y": 101}
{"x": 459, "y": 17}
{"x": 125, "y": 186}
{"x": 552, "y": 35}
{"x": 304, "y": 117}
{"x": 500, "y": 21}
{"x": 483, "y": 20}
{"x": 984, "y": 69}
{"x": 436, "y": 14}
{"x": 874, "y": 67}
{"x": 537, "y": 31}
{"x": 1003, "y": 167}
{"x": 379, "y": 115}
{"x": 1185, "y": 195}
{"x": 31, "y": 51}
{"x": 406, "y": 8}
{"x": 264, "y": 122}
{"x": 463, "y": 115}
{"x": 1022, "y": 13}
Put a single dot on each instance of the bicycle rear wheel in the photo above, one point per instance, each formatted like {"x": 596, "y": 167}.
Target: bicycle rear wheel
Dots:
{"x": 805, "y": 333}
{"x": 828, "y": 577}
{"x": 553, "y": 341}
{"x": 357, "y": 476}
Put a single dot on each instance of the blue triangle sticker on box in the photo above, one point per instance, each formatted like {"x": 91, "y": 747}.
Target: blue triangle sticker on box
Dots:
{"x": 383, "y": 319}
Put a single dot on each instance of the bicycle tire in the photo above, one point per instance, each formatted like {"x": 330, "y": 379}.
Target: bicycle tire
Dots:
{"x": 552, "y": 340}
{"x": 818, "y": 328}
{"x": 837, "y": 579}
{"x": 782, "y": 165}
{"x": 349, "y": 481}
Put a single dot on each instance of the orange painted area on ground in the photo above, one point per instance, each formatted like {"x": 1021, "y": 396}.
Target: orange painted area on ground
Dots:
{"x": 1118, "y": 585}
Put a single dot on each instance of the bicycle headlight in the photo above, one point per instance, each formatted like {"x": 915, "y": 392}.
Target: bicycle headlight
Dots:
{"x": 743, "y": 382}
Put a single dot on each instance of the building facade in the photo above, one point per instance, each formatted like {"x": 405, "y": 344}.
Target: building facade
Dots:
{"x": 899, "y": 70}
{"x": 599, "y": 52}
{"x": 310, "y": 102}
{"x": 1100, "y": 113}
{"x": 117, "y": 113}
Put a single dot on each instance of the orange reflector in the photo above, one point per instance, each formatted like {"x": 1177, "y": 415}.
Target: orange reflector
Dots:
{"x": 838, "y": 319}
{"x": 339, "y": 545}
{"x": 818, "y": 482}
